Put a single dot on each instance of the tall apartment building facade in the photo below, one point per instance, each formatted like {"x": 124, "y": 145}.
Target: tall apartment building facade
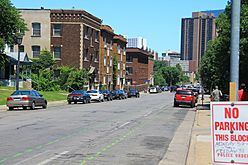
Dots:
{"x": 71, "y": 35}
{"x": 75, "y": 41}
{"x": 119, "y": 47}
{"x": 195, "y": 34}
{"x": 106, "y": 57}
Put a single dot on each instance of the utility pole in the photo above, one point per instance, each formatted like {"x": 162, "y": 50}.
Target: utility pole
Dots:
{"x": 234, "y": 59}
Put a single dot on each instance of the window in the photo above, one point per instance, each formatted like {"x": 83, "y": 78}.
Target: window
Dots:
{"x": 105, "y": 61}
{"x": 110, "y": 62}
{"x": 96, "y": 56}
{"x": 119, "y": 49}
{"x": 36, "y": 51}
{"x": 36, "y": 29}
{"x": 118, "y": 80}
{"x": 129, "y": 70}
{"x": 124, "y": 51}
{"x": 104, "y": 80}
{"x": 85, "y": 54}
{"x": 86, "y": 32}
{"x": 96, "y": 36}
{"x": 11, "y": 48}
{"x": 105, "y": 42}
{"x": 56, "y": 30}
{"x": 123, "y": 66}
{"x": 121, "y": 56}
{"x": 129, "y": 58}
{"x": 57, "y": 52}
{"x": 111, "y": 44}
{"x": 119, "y": 65}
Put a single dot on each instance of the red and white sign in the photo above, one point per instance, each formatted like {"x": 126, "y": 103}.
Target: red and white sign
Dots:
{"x": 229, "y": 127}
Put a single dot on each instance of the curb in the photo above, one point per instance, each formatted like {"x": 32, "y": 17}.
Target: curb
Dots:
{"x": 178, "y": 149}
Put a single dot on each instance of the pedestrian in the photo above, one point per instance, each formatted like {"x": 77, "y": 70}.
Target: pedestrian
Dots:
{"x": 216, "y": 94}
{"x": 242, "y": 93}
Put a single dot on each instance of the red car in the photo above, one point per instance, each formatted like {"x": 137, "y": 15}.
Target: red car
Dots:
{"x": 184, "y": 97}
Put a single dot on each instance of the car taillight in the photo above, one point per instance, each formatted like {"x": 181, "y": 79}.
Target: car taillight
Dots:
{"x": 94, "y": 95}
{"x": 10, "y": 99}
{"x": 25, "y": 98}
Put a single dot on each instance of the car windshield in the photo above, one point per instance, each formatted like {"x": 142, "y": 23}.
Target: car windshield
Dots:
{"x": 91, "y": 91}
{"x": 184, "y": 92}
{"x": 77, "y": 92}
{"x": 105, "y": 91}
{"x": 21, "y": 93}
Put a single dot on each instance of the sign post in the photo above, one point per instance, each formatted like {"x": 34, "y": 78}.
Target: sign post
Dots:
{"x": 229, "y": 128}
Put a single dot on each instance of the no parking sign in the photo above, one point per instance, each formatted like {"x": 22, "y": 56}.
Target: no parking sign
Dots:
{"x": 229, "y": 128}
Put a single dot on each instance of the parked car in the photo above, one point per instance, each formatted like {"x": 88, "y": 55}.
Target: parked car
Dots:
{"x": 26, "y": 99}
{"x": 107, "y": 95}
{"x": 195, "y": 91}
{"x": 78, "y": 96}
{"x": 184, "y": 97}
{"x": 96, "y": 95}
{"x": 153, "y": 90}
{"x": 133, "y": 93}
{"x": 117, "y": 94}
{"x": 124, "y": 93}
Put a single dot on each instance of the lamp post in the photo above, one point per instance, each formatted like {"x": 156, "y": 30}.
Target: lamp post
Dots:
{"x": 19, "y": 42}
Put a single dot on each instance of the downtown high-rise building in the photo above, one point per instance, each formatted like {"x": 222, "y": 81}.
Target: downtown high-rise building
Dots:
{"x": 195, "y": 34}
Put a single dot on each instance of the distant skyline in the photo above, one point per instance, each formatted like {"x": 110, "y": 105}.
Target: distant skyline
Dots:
{"x": 158, "y": 21}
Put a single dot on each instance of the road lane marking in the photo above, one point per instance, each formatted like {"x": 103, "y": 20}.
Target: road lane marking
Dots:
{"x": 30, "y": 158}
{"x": 52, "y": 158}
{"x": 147, "y": 114}
{"x": 124, "y": 124}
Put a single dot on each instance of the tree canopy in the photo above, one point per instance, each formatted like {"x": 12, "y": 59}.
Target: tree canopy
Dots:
{"x": 215, "y": 65}
{"x": 11, "y": 25}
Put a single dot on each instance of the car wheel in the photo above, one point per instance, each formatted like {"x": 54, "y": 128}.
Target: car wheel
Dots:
{"x": 89, "y": 101}
{"x": 24, "y": 108}
{"x": 175, "y": 104}
{"x": 44, "y": 106}
{"x": 192, "y": 105}
{"x": 11, "y": 108}
{"x": 69, "y": 102}
{"x": 33, "y": 106}
{"x": 75, "y": 102}
{"x": 102, "y": 99}
{"x": 84, "y": 101}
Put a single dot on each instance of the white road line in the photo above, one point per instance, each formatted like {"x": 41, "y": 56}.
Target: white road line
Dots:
{"x": 145, "y": 115}
{"x": 30, "y": 158}
{"x": 124, "y": 124}
{"x": 52, "y": 158}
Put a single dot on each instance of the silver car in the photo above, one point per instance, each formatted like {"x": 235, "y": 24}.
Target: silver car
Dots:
{"x": 25, "y": 99}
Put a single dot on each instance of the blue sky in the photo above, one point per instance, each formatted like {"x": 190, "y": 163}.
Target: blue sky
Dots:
{"x": 159, "y": 21}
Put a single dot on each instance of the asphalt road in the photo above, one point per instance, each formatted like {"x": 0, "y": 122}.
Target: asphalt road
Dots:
{"x": 135, "y": 131}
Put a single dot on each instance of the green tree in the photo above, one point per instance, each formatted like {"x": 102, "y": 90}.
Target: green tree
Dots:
{"x": 11, "y": 25}
{"x": 77, "y": 79}
{"x": 159, "y": 64}
{"x": 215, "y": 65}
{"x": 45, "y": 61}
{"x": 159, "y": 79}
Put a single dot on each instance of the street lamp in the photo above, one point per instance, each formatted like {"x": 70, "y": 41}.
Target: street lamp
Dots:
{"x": 19, "y": 42}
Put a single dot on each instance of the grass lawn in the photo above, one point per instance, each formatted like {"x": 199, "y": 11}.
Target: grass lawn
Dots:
{"x": 49, "y": 96}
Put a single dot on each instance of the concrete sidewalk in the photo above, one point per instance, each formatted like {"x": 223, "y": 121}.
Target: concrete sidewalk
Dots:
{"x": 200, "y": 152}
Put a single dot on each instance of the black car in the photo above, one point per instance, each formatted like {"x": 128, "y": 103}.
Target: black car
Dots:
{"x": 133, "y": 93}
{"x": 118, "y": 94}
{"x": 107, "y": 95}
{"x": 78, "y": 96}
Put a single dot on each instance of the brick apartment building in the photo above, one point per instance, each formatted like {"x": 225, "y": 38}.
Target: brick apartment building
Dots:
{"x": 106, "y": 57}
{"x": 71, "y": 35}
{"x": 75, "y": 41}
{"x": 119, "y": 47}
{"x": 139, "y": 67}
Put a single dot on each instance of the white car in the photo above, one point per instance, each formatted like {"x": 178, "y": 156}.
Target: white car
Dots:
{"x": 153, "y": 90}
{"x": 96, "y": 95}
